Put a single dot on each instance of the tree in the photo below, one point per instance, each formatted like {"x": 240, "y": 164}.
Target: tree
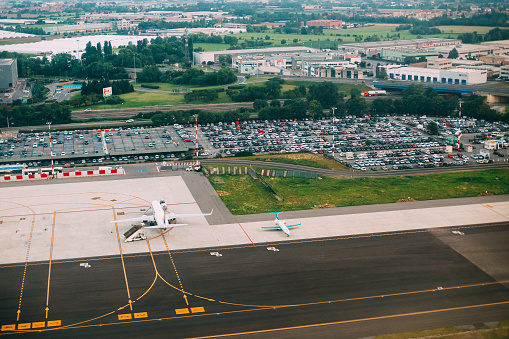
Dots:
{"x": 149, "y": 74}
{"x": 410, "y": 60}
{"x": 283, "y": 41}
{"x": 267, "y": 37}
{"x": 273, "y": 88}
{"x": 382, "y": 74}
{"x": 315, "y": 109}
{"x": 432, "y": 128}
{"x": 326, "y": 93}
{"x": 258, "y": 104}
{"x": 355, "y": 92}
{"x": 453, "y": 54}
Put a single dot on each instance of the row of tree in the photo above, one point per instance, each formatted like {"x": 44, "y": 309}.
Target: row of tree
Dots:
{"x": 192, "y": 76}
{"x": 31, "y": 115}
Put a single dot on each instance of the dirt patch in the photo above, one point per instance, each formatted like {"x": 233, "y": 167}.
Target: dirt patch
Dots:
{"x": 483, "y": 194}
{"x": 406, "y": 200}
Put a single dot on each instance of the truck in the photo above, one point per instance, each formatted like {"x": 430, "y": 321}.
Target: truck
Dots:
{"x": 374, "y": 93}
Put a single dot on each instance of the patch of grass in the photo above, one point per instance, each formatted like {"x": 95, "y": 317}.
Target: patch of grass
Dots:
{"x": 302, "y": 193}
{"x": 446, "y": 331}
{"x": 253, "y": 78}
{"x": 499, "y": 332}
{"x": 465, "y": 29}
{"x": 138, "y": 99}
{"x": 232, "y": 187}
{"x": 163, "y": 86}
{"x": 304, "y": 159}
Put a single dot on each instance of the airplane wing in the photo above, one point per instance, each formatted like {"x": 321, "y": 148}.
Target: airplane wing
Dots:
{"x": 272, "y": 227}
{"x": 143, "y": 218}
{"x": 163, "y": 227}
{"x": 290, "y": 226}
{"x": 175, "y": 216}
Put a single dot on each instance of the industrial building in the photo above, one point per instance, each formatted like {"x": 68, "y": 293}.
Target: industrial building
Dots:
{"x": 458, "y": 76}
{"x": 325, "y": 23}
{"x": 375, "y": 48}
{"x": 213, "y": 56}
{"x": 8, "y": 74}
{"x": 83, "y": 28}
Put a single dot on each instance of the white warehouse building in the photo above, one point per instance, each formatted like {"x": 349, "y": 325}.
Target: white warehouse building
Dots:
{"x": 457, "y": 76}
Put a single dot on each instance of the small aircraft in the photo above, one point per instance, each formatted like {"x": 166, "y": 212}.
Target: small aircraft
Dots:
{"x": 280, "y": 224}
{"x": 158, "y": 218}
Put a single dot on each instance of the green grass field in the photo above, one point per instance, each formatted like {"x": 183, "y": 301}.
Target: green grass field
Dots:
{"x": 304, "y": 159}
{"x": 246, "y": 195}
{"x": 163, "y": 86}
{"x": 465, "y": 29}
{"x": 331, "y": 36}
{"x": 138, "y": 99}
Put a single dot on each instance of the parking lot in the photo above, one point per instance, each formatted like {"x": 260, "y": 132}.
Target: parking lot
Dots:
{"x": 369, "y": 143}
{"x": 366, "y": 144}
{"x": 89, "y": 146}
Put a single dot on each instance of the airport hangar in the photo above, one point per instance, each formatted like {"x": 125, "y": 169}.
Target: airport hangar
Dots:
{"x": 67, "y": 271}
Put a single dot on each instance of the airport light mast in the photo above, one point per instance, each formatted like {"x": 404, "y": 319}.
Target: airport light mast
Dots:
{"x": 51, "y": 151}
{"x": 197, "y": 161}
{"x": 333, "y": 128}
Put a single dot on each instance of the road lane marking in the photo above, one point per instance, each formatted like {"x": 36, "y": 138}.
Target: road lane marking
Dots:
{"x": 175, "y": 268}
{"x": 246, "y": 234}
{"x": 54, "y": 323}
{"x": 26, "y": 262}
{"x": 182, "y": 311}
{"x": 122, "y": 257}
{"x": 50, "y": 260}
{"x": 24, "y": 326}
{"x": 8, "y": 327}
{"x": 140, "y": 315}
{"x": 125, "y": 316}
{"x": 197, "y": 309}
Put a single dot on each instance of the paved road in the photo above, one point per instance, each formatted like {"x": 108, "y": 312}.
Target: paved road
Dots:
{"x": 126, "y": 112}
{"x": 359, "y": 287}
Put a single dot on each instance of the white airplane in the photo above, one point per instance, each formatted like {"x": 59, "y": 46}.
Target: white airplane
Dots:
{"x": 280, "y": 224}
{"x": 158, "y": 217}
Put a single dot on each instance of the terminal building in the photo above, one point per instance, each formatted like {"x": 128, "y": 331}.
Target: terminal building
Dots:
{"x": 8, "y": 74}
{"x": 457, "y": 76}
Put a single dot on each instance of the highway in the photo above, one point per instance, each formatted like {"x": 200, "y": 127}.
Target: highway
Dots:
{"x": 350, "y": 287}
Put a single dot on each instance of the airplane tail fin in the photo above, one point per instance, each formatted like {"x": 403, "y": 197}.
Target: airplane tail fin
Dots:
{"x": 277, "y": 214}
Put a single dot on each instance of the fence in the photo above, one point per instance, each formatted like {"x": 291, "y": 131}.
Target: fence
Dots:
{"x": 229, "y": 170}
{"x": 63, "y": 175}
{"x": 171, "y": 166}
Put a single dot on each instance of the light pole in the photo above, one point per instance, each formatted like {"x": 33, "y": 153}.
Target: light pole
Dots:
{"x": 51, "y": 151}
{"x": 333, "y": 128}
{"x": 196, "y": 120}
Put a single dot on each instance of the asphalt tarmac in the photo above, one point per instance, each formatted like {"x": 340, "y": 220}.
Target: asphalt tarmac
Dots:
{"x": 339, "y": 287}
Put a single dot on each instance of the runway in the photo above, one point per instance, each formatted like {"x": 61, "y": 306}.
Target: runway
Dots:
{"x": 333, "y": 283}
{"x": 66, "y": 271}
